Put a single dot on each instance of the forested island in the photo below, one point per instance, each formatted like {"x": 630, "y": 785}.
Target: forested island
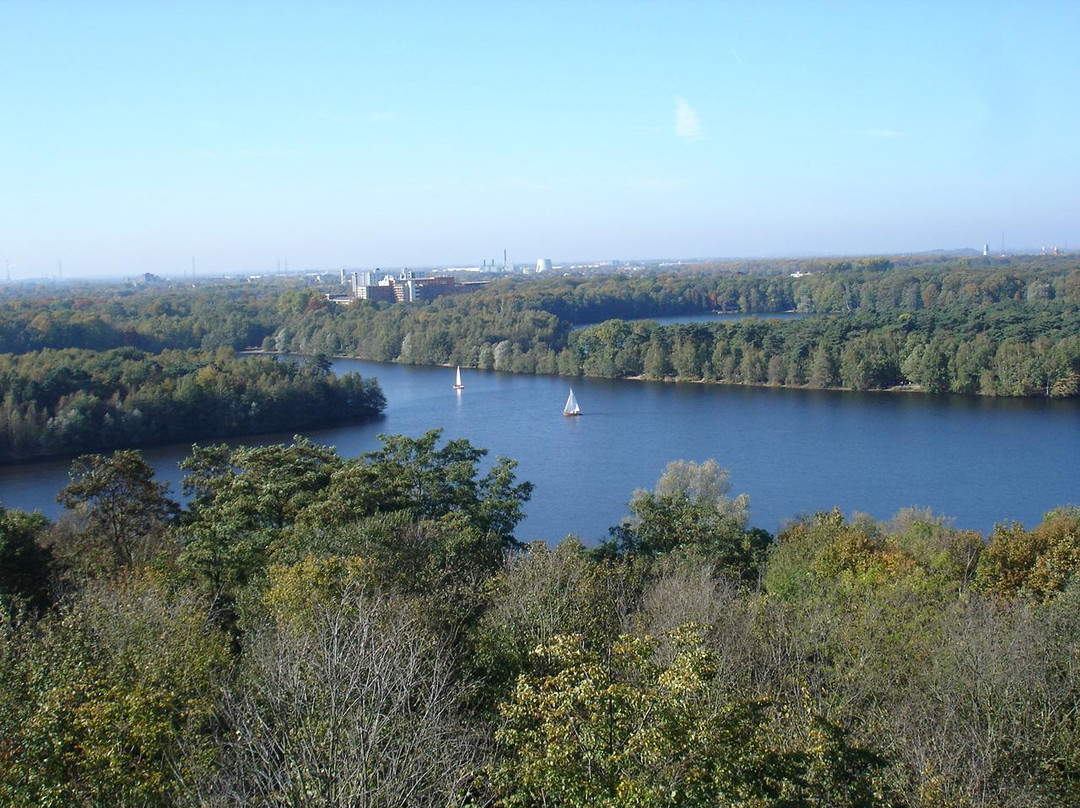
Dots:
{"x": 98, "y": 367}
{"x": 321, "y": 631}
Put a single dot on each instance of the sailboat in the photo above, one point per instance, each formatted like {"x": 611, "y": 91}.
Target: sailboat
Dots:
{"x": 457, "y": 384}
{"x": 571, "y": 407}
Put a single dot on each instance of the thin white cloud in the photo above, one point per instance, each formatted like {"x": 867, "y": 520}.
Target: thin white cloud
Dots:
{"x": 687, "y": 124}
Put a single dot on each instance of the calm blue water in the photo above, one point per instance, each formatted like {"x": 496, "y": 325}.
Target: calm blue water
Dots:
{"x": 708, "y": 317}
{"x": 793, "y": 451}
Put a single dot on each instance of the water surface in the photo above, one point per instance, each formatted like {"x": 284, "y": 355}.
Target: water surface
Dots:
{"x": 707, "y": 317}
{"x": 978, "y": 460}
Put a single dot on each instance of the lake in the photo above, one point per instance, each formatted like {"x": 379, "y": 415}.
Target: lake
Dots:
{"x": 978, "y": 460}
{"x": 708, "y": 317}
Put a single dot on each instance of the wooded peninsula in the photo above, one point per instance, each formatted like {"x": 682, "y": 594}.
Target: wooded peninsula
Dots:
{"x": 98, "y": 367}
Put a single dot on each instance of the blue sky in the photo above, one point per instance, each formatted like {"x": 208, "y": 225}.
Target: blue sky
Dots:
{"x": 135, "y": 136}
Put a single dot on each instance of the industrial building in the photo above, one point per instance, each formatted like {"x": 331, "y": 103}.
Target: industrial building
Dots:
{"x": 405, "y": 288}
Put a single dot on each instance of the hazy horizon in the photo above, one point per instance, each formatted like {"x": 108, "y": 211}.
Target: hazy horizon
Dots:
{"x": 138, "y": 137}
{"x": 291, "y": 270}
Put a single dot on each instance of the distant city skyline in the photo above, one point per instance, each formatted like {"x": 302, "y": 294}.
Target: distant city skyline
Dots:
{"x": 138, "y": 137}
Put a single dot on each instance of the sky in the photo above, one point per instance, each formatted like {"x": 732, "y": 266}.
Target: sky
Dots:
{"x": 241, "y": 136}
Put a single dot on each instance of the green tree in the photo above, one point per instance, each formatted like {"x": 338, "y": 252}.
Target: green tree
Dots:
{"x": 624, "y": 727}
{"x": 25, "y": 565}
{"x": 539, "y": 593}
{"x": 870, "y": 361}
{"x": 107, "y": 700}
{"x": 690, "y": 509}
{"x": 428, "y": 480}
{"x": 656, "y": 363}
{"x": 127, "y": 514}
{"x": 823, "y": 368}
{"x": 242, "y": 500}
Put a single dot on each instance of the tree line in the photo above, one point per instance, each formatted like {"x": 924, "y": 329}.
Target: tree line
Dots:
{"x": 1009, "y": 350}
{"x": 74, "y": 400}
{"x": 968, "y": 328}
{"x": 320, "y": 631}
{"x": 152, "y": 318}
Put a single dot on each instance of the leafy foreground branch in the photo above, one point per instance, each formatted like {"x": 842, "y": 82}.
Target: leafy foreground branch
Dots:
{"x": 312, "y": 630}
{"x": 628, "y": 727}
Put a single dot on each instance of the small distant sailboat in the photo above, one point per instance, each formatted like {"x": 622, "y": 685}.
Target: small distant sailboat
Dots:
{"x": 457, "y": 384}
{"x": 571, "y": 407}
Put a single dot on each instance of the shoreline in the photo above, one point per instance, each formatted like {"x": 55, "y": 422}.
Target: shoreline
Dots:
{"x": 907, "y": 388}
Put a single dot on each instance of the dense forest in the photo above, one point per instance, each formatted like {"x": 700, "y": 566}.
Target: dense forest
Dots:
{"x": 72, "y": 400}
{"x": 101, "y": 366}
{"x": 311, "y": 630}
{"x": 93, "y": 368}
{"x": 990, "y": 327}
{"x": 152, "y": 318}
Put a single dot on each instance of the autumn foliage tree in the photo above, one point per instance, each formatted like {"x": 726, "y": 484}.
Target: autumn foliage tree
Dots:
{"x": 629, "y": 727}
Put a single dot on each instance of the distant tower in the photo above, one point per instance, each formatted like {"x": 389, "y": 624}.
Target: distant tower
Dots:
{"x": 543, "y": 265}
{"x": 986, "y": 250}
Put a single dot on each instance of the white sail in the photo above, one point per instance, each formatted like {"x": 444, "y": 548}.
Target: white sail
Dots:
{"x": 571, "y": 407}
{"x": 457, "y": 383}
